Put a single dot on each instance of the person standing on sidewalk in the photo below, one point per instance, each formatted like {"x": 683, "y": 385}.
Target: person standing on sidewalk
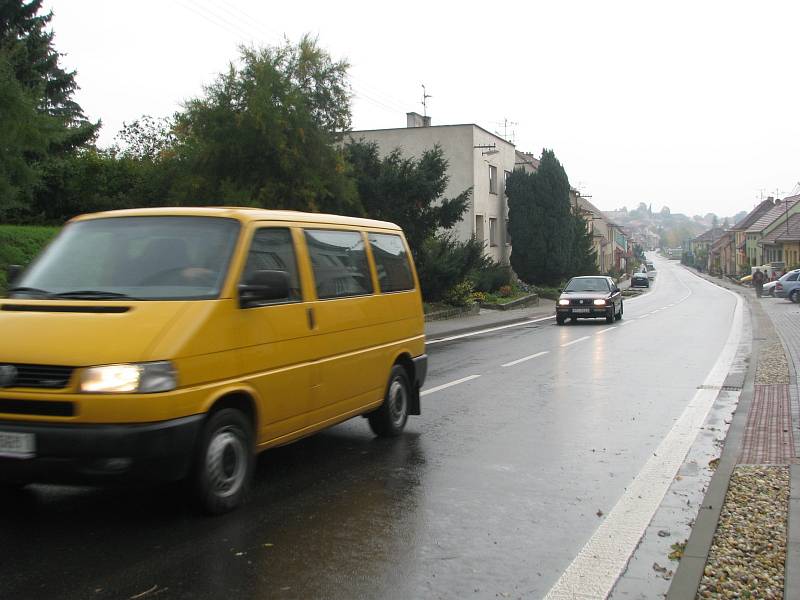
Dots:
{"x": 758, "y": 282}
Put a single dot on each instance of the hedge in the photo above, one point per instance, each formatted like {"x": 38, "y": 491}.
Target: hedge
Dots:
{"x": 19, "y": 244}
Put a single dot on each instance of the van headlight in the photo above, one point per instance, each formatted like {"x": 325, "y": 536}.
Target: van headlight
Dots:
{"x": 140, "y": 378}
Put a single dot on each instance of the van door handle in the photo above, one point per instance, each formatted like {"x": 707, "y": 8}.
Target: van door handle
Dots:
{"x": 312, "y": 323}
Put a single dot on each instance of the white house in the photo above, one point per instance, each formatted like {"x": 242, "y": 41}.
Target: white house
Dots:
{"x": 477, "y": 158}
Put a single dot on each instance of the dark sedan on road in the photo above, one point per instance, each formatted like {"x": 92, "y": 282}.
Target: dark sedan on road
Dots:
{"x": 640, "y": 279}
{"x": 589, "y": 297}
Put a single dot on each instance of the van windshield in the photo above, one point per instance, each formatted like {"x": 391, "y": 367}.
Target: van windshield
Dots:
{"x": 144, "y": 258}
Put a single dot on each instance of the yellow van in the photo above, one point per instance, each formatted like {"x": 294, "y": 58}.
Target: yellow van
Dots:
{"x": 174, "y": 343}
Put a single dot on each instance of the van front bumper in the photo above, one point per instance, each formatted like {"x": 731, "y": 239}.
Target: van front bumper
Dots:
{"x": 78, "y": 453}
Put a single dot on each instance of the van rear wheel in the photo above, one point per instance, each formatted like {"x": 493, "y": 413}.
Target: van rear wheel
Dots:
{"x": 224, "y": 461}
{"x": 390, "y": 418}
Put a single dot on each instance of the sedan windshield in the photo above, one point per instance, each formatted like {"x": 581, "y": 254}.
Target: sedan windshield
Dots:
{"x": 589, "y": 284}
{"x": 144, "y": 258}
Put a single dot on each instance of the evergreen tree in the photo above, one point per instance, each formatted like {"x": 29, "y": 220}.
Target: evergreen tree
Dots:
{"x": 541, "y": 222}
{"x": 29, "y": 50}
{"x": 39, "y": 120}
{"x": 406, "y": 191}
{"x": 584, "y": 256}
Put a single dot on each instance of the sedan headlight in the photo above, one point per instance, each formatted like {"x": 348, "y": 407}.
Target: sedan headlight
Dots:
{"x": 563, "y": 302}
{"x": 141, "y": 378}
{"x": 599, "y": 302}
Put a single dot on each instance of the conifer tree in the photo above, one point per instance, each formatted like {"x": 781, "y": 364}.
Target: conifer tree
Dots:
{"x": 28, "y": 49}
{"x": 541, "y": 223}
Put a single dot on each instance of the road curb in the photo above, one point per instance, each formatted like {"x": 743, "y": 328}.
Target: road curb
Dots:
{"x": 477, "y": 327}
{"x": 691, "y": 567}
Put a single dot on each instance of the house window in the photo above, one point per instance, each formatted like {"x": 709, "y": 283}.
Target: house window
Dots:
{"x": 505, "y": 181}
{"x": 492, "y": 179}
{"x": 492, "y": 231}
{"x": 479, "y": 227}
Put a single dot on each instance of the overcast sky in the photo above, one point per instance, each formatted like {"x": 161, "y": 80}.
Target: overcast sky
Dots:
{"x": 693, "y": 105}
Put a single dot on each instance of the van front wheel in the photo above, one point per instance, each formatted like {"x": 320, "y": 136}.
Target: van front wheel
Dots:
{"x": 390, "y": 418}
{"x": 224, "y": 462}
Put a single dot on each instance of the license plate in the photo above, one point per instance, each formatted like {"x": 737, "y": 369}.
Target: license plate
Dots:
{"x": 17, "y": 445}
{"x": 581, "y": 310}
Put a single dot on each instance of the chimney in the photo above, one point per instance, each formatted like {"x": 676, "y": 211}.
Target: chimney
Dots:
{"x": 417, "y": 120}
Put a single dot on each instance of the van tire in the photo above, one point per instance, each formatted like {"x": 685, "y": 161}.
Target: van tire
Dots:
{"x": 390, "y": 418}
{"x": 224, "y": 463}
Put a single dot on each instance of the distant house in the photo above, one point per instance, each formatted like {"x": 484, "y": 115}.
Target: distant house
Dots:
{"x": 701, "y": 247}
{"x": 739, "y": 230}
{"x": 477, "y": 159}
{"x": 769, "y": 220}
{"x": 776, "y": 243}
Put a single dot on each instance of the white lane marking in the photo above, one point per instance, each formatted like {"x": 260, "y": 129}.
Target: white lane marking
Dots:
{"x": 586, "y": 337}
{"x": 524, "y": 358}
{"x": 626, "y": 323}
{"x": 596, "y": 568}
{"x": 447, "y": 385}
{"x": 644, "y": 316}
{"x": 604, "y": 330}
{"x": 471, "y": 333}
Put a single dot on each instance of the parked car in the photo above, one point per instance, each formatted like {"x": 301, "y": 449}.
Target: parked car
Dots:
{"x": 589, "y": 297}
{"x": 788, "y": 286}
{"x": 769, "y": 288}
{"x": 640, "y": 279}
{"x": 651, "y": 270}
{"x": 177, "y": 343}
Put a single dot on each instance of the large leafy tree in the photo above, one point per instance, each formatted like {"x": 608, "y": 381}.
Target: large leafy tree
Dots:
{"x": 265, "y": 133}
{"x": 541, "y": 222}
{"x": 406, "y": 190}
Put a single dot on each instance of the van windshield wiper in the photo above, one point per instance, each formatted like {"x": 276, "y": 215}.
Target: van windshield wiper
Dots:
{"x": 93, "y": 295}
{"x": 28, "y": 290}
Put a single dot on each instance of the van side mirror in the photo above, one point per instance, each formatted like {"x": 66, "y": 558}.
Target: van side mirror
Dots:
{"x": 263, "y": 286}
{"x": 12, "y": 272}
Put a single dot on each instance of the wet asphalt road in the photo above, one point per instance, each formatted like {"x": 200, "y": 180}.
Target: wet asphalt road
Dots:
{"x": 490, "y": 493}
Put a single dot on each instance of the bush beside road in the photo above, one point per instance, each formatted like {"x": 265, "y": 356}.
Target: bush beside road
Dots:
{"x": 19, "y": 244}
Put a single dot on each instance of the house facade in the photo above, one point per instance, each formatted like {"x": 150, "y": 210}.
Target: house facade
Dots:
{"x": 775, "y": 216}
{"x": 477, "y": 159}
{"x": 739, "y": 231}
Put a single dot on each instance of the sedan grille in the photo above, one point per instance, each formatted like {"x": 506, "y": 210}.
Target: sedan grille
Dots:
{"x": 35, "y": 376}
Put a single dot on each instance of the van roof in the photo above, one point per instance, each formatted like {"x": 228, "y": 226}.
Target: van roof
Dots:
{"x": 240, "y": 213}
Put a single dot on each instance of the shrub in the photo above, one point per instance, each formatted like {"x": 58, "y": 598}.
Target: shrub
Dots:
{"x": 505, "y": 291}
{"x": 491, "y": 277}
{"x": 443, "y": 263}
{"x": 460, "y": 294}
{"x": 19, "y": 244}
{"x": 479, "y": 297}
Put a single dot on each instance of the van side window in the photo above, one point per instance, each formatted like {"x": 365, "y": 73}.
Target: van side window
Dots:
{"x": 339, "y": 261}
{"x": 272, "y": 249}
{"x": 391, "y": 262}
